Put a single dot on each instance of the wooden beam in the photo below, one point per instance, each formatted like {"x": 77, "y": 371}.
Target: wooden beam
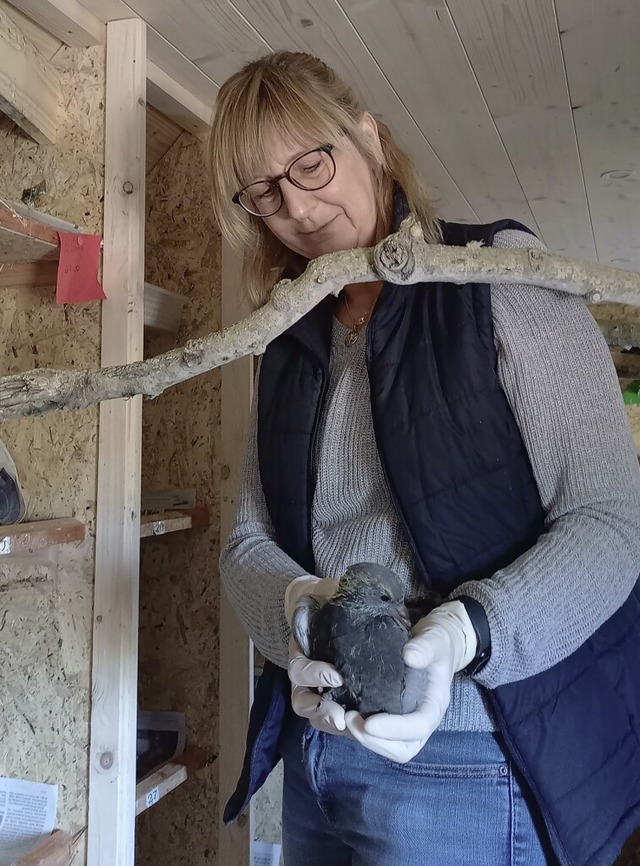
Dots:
{"x": 174, "y": 100}
{"x": 46, "y": 44}
{"x": 29, "y": 86}
{"x": 21, "y": 538}
{"x": 33, "y": 275}
{"x": 112, "y": 753}
{"x": 236, "y": 650}
{"x": 189, "y": 94}
{"x": 68, "y": 20}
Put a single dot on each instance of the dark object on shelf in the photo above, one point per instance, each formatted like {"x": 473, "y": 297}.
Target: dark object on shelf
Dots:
{"x": 12, "y": 507}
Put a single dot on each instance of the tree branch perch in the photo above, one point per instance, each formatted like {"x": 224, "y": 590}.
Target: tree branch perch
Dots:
{"x": 403, "y": 257}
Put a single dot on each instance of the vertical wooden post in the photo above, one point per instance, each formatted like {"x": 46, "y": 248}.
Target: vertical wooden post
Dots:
{"x": 112, "y": 788}
{"x": 236, "y": 650}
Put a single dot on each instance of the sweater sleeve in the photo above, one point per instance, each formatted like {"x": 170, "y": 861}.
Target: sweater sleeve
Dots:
{"x": 556, "y": 371}
{"x": 255, "y": 572}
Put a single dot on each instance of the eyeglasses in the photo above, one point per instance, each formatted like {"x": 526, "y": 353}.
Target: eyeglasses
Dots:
{"x": 312, "y": 170}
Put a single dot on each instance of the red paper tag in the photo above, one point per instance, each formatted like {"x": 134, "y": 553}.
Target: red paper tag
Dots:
{"x": 78, "y": 269}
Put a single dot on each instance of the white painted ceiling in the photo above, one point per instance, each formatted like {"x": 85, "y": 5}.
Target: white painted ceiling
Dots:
{"x": 527, "y": 109}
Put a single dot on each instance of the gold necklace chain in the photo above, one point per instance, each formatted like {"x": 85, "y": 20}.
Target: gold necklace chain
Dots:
{"x": 352, "y": 337}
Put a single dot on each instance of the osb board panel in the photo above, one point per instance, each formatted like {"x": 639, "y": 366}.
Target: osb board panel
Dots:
{"x": 161, "y": 135}
{"x": 46, "y": 600}
{"x": 179, "y": 587}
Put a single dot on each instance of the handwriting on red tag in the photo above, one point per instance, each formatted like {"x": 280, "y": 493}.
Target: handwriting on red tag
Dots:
{"x": 78, "y": 269}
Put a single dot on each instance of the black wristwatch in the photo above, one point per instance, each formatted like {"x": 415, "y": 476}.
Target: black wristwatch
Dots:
{"x": 478, "y": 618}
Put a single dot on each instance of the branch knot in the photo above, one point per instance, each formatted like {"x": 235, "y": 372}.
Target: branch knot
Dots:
{"x": 393, "y": 257}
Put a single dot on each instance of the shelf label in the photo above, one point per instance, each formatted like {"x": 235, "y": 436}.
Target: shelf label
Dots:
{"x": 152, "y": 796}
{"x": 159, "y": 527}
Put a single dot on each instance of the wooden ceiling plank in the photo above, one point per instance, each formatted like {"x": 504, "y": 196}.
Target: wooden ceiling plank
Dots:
{"x": 68, "y": 20}
{"x": 436, "y": 83}
{"x": 600, "y": 46}
{"x": 29, "y": 85}
{"x": 515, "y": 52}
{"x": 324, "y": 30}
{"x": 212, "y": 35}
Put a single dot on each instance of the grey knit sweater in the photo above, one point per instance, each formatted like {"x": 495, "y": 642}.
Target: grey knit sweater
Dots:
{"x": 557, "y": 374}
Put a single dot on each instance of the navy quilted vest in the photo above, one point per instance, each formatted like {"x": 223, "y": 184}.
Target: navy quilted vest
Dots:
{"x": 465, "y": 492}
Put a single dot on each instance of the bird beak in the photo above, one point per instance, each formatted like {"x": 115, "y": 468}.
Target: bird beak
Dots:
{"x": 401, "y": 616}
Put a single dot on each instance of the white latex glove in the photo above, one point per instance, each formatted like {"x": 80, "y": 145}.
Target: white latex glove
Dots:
{"x": 443, "y": 642}
{"x": 309, "y": 678}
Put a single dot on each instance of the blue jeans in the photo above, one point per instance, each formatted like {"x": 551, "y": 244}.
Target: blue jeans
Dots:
{"x": 458, "y": 803}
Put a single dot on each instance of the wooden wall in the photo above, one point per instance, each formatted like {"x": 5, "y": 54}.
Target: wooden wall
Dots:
{"x": 46, "y": 603}
{"x": 179, "y": 587}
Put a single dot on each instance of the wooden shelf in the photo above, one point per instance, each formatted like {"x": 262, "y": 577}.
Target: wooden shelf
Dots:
{"x": 22, "y": 538}
{"x": 24, "y": 240}
{"x": 173, "y": 521}
{"x": 25, "y": 538}
{"x": 29, "y": 253}
{"x": 164, "y": 780}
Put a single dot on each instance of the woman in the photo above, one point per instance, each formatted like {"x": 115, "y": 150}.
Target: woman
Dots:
{"x": 473, "y": 439}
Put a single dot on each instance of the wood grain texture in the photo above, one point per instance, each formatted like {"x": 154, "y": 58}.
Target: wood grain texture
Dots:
{"x": 176, "y": 102}
{"x": 46, "y": 44}
{"x": 600, "y": 48}
{"x": 31, "y": 274}
{"x": 212, "y": 35}
{"x": 47, "y": 596}
{"x": 167, "y": 778}
{"x": 179, "y": 590}
{"x": 24, "y": 240}
{"x": 516, "y": 56}
{"x": 28, "y": 537}
{"x": 68, "y": 20}
{"x": 236, "y": 650}
{"x": 112, "y": 760}
{"x": 437, "y": 85}
{"x": 324, "y": 30}
{"x": 160, "y": 50}
{"x": 29, "y": 86}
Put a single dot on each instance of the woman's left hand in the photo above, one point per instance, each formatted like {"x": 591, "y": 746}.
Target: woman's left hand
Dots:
{"x": 443, "y": 643}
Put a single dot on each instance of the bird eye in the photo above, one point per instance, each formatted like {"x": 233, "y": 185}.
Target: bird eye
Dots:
{"x": 385, "y": 597}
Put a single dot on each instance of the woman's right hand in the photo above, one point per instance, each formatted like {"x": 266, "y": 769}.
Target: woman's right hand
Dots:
{"x": 311, "y": 681}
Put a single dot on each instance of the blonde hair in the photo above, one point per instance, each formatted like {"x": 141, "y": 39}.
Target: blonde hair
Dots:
{"x": 298, "y": 93}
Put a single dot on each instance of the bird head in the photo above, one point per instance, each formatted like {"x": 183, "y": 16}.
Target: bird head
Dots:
{"x": 370, "y": 589}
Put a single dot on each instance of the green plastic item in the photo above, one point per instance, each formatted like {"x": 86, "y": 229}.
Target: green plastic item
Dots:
{"x": 631, "y": 393}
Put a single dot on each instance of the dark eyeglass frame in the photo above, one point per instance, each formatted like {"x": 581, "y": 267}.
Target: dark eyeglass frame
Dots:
{"x": 286, "y": 175}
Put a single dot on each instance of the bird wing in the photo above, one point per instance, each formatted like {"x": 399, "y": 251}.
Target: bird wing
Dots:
{"x": 303, "y": 622}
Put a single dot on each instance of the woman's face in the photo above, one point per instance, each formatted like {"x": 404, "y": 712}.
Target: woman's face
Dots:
{"x": 340, "y": 216}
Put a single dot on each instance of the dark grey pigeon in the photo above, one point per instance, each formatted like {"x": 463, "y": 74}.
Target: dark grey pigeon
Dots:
{"x": 361, "y": 631}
